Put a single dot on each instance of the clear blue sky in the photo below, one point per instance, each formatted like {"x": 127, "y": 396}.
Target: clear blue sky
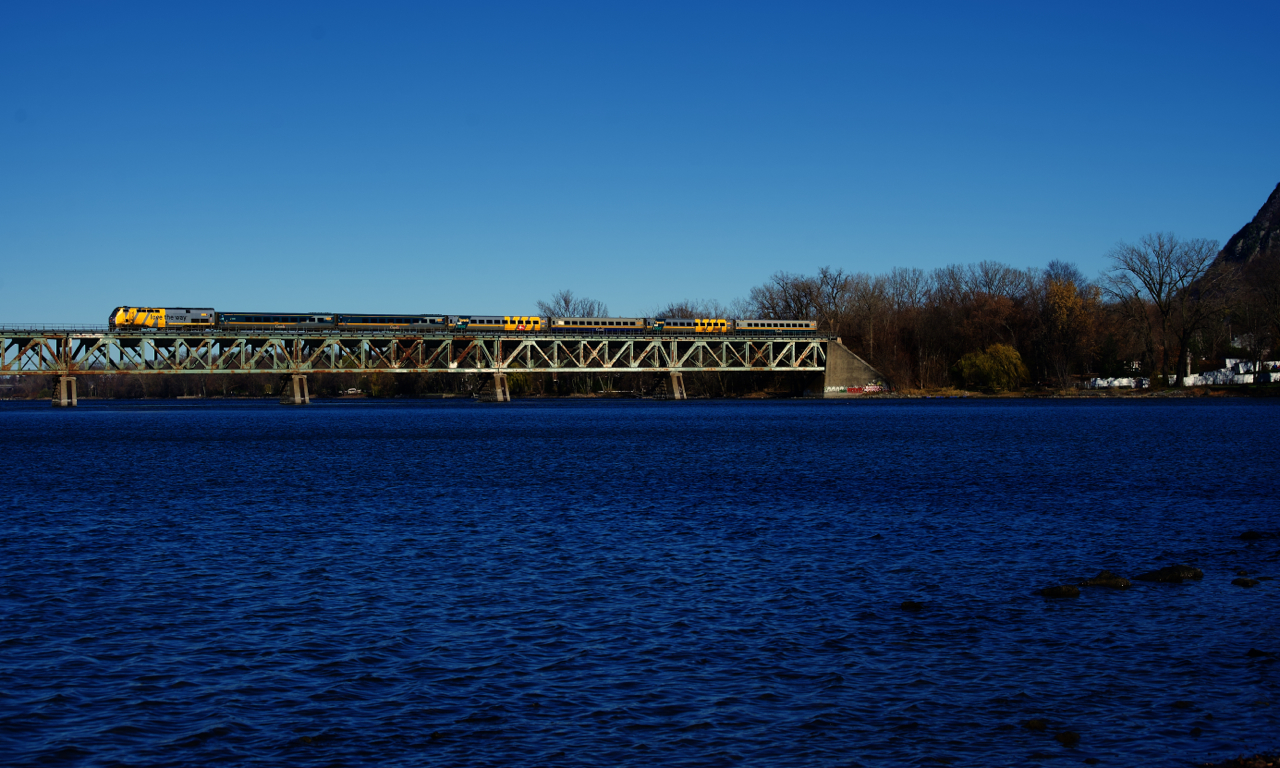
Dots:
{"x": 475, "y": 157}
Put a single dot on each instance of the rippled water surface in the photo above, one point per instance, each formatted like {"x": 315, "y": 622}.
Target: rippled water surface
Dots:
{"x": 634, "y": 583}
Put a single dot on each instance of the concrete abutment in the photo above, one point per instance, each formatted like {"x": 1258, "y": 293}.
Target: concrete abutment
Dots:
{"x": 848, "y": 375}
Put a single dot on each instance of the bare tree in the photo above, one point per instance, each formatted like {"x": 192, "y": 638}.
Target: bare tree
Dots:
{"x": 908, "y": 288}
{"x": 1203, "y": 304}
{"x": 1159, "y": 272}
{"x": 866, "y": 309}
{"x": 1066, "y": 272}
{"x": 565, "y": 304}
{"x": 785, "y": 297}
{"x": 705, "y": 308}
{"x": 830, "y": 297}
{"x": 996, "y": 279}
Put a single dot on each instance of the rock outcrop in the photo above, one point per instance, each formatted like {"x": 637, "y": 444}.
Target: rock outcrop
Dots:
{"x": 1259, "y": 240}
{"x": 1172, "y": 574}
{"x": 1107, "y": 579}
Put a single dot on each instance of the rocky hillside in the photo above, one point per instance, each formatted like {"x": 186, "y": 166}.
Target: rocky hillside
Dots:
{"x": 1259, "y": 240}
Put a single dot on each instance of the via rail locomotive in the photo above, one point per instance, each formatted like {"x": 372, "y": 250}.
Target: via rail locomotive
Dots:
{"x": 207, "y": 318}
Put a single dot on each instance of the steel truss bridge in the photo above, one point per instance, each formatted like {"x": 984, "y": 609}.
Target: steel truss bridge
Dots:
{"x": 71, "y": 352}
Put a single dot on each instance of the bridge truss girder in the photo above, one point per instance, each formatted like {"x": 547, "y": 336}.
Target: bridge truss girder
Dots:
{"x": 301, "y": 353}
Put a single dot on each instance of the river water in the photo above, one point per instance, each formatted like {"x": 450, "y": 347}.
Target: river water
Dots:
{"x": 606, "y": 583}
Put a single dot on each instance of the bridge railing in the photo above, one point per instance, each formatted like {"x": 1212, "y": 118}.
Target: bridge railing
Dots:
{"x": 17, "y": 328}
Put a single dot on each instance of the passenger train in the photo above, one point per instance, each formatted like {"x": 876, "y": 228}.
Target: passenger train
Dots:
{"x": 205, "y": 318}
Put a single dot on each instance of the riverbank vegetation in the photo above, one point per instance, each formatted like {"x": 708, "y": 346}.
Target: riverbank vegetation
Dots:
{"x": 1165, "y": 307}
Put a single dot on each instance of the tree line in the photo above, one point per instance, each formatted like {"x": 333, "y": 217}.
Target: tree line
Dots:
{"x": 1163, "y": 306}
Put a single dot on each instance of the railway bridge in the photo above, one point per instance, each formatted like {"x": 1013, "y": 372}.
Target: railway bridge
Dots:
{"x": 70, "y": 352}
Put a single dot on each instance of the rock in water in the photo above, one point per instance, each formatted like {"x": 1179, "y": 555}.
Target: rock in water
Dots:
{"x": 1066, "y": 590}
{"x": 1245, "y": 582}
{"x": 1255, "y": 536}
{"x": 1107, "y": 579}
{"x": 1068, "y": 738}
{"x": 1171, "y": 574}
{"x": 1038, "y": 724}
{"x": 911, "y": 605}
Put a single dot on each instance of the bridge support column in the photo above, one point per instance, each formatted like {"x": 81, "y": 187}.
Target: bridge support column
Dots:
{"x": 500, "y": 391}
{"x": 299, "y": 394}
{"x": 677, "y": 386}
{"x": 65, "y": 395}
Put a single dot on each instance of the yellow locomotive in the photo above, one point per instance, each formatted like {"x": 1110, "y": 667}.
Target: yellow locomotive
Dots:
{"x": 152, "y": 317}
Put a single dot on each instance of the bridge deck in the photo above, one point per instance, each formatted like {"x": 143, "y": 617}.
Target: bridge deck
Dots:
{"x": 89, "y": 350}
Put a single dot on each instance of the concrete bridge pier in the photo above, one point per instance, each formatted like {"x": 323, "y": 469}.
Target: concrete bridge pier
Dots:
{"x": 677, "y": 386}
{"x": 65, "y": 396}
{"x": 848, "y": 375}
{"x": 500, "y": 391}
{"x": 299, "y": 394}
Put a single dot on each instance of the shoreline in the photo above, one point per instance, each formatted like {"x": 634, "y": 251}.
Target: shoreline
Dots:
{"x": 1227, "y": 392}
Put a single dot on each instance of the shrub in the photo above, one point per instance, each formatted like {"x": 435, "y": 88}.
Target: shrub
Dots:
{"x": 999, "y": 368}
